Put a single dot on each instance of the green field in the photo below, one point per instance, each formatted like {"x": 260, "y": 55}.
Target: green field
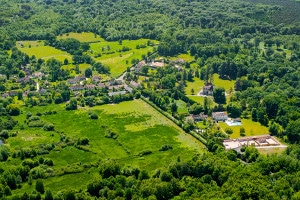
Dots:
{"x": 119, "y": 61}
{"x": 82, "y": 37}
{"x": 185, "y": 57}
{"x": 44, "y": 52}
{"x": 251, "y": 128}
{"x": 196, "y": 84}
{"x": 139, "y": 127}
{"x": 226, "y": 84}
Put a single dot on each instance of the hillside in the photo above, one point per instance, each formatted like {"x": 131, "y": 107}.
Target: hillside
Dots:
{"x": 135, "y": 99}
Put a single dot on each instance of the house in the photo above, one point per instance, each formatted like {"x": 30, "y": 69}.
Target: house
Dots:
{"x": 24, "y": 80}
{"x": 139, "y": 66}
{"x": 127, "y": 88}
{"x": 80, "y": 78}
{"x": 134, "y": 84}
{"x": 72, "y": 81}
{"x": 12, "y": 93}
{"x": 115, "y": 87}
{"x": 38, "y": 75}
{"x": 157, "y": 64}
{"x": 179, "y": 61}
{"x": 101, "y": 85}
{"x": 96, "y": 79}
{"x": 110, "y": 94}
{"x": 219, "y": 116}
{"x": 199, "y": 117}
{"x": 90, "y": 86}
{"x": 207, "y": 89}
{"x": 42, "y": 91}
{"x": 76, "y": 87}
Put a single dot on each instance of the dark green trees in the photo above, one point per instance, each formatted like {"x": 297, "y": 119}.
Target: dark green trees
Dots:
{"x": 219, "y": 95}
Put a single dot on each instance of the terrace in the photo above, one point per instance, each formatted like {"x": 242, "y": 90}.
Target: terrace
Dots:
{"x": 257, "y": 141}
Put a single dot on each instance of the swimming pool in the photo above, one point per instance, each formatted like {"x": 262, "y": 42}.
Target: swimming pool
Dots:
{"x": 233, "y": 123}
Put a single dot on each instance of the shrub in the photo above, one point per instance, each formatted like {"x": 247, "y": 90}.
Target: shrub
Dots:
{"x": 48, "y": 162}
{"x": 165, "y": 147}
{"x": 94, "y": 116}
{"x": 36, "y": 123}
{"x": 48, "y": 127}
{"x": 146, "y": 152}
{"x": 4, "y": 134}
{"x": 111, "y": 134}
{"x": 33, "y": 118}
{"x": 13, "y": 109}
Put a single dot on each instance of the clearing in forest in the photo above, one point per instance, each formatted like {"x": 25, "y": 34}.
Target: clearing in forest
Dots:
{"x": 39, "y": 50}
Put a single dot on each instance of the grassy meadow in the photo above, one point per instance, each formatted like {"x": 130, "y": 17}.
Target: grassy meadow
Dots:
{"x": 251, "y": 128}
{"x": 196, "y": 84}
{"x": 82, "y": 37}
{"x": 38, "y": 49}
{"x": 138, "y": 126}
{"x": 119, "y": 61}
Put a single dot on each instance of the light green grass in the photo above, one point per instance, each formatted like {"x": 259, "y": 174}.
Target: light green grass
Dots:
{"x": 272, "y": 150}
{"x": 226, "y": 84}
{"x": 185, "y": 57}
{"x": 139, "y": 128}
{"x": 82, "y": 37}
{"x": 251, "y": 128}
{"x": 119, "y": 61}
{"x": 46, "y": 53}
{"x": 197, "y": 85}
{"x": 181, "y": 107}
{"x": 27, "y": 44}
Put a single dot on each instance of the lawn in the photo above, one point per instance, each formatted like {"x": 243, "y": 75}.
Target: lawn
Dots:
{"x": 44, "y": 52}
{"x": 251, "y": 128}
{"x": 196, "y": 84}
{"x": 119, "y": 61}
{"x": 181, "y": 107}
{"x": 185, "y": 57}
{"x": 226, "y": 84}
{"x": 272, "y": 150}
{"x": 82, "y": 37}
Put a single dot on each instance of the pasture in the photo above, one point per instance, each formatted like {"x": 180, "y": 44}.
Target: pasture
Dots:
{"x": 137, "y": 125}
{"x": 196, "y": 85}
{"x": 112, "y": 55}
{"x": 44, "y": 52}
{"x": 82, "y": 37}
{"x": 226, "y": 84}
{"x": 251, "y": 128}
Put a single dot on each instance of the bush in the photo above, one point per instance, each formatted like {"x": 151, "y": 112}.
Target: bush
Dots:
{"x": 33, "y": 118}
{"x": 13, "y": 109}
{"x": 4, "y": 134}
{"x": 36, "y": 123}
{"x": 94, "y": 116}
{"x": 48, "y": 127}
{"x": 48, "y": 162}
{"x": 111, "y": 134}
{"x": 165, "y": 147}
{"x": 146, "y": 152}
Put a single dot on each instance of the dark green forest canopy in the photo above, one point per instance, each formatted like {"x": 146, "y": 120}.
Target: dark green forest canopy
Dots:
{"x": 115, "y": 20}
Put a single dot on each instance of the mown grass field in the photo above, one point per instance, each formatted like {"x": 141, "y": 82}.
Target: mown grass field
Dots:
{"x": 82, "y": 37}
{"x": 44, "y": 52}
{"x": 139, "y": 127}
{"x": 251, "y": 128}
{"x": 226, "y": 84}
{"x": 119, "y": 61}
{"x": 196, "y": 84}
{"x": 185, "y": 57}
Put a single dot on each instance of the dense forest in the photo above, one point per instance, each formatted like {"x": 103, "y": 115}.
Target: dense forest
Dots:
{"x": 255, "y": 43}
